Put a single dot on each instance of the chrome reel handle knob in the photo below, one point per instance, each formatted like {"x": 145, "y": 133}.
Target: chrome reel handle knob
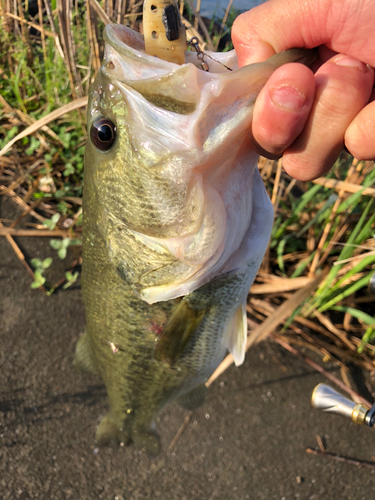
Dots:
{"x": 325, "y": 398}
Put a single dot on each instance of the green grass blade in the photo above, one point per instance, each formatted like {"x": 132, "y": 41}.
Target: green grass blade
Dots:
{"x": 346, "y": 293}
{"x": 356, "y": 313}
{"x": 368, "y": 337}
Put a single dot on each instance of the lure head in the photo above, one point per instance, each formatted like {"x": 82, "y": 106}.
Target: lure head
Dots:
{"x": 164, "y": 32}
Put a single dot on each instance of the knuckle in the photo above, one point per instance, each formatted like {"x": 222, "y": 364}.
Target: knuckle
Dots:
{"x": 340, "y": 100}
{"x": 296, "y": 166}
{"x": 342, "y": 91}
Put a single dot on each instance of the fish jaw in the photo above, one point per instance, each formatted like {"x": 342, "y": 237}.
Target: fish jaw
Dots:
{"x": 167, "y": 208}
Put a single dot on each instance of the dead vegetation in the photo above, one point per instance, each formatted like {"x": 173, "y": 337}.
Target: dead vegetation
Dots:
{"x": 312, "y": 289}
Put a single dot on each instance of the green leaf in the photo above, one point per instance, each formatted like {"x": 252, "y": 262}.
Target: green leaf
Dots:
{"x": 62, "y": 245}
{"x": 328, "y": 204}
{"x": 325, "y": 290}
{"x": 51, "y": 223}
{"x": 35, "y": 143}
{"x": 350, "y": 290}
{"x": 69, "y": 170}
{"x": 62, "y": 207}
{"x": 47, "y": 262}
{"x": 39, "y": 195}
{"x": 62, "y": 253}
{"x": 65, "y": 242}
{"x": 280, "y": 253}
{"x": 366, "y": 261}
{"x": 352, "y": 201}
{"x": 11, "y": 133}
{"x": 71, "y": 278}
{"x": 75, "y": 242}
{"x": 356, "y": 313}
{"x": 39, "y": 280}
{"x": 368, "y": 337}
{"x": 36, "y": 263}
{"x": 55, "y": 244}
{"x": 302, "y": 265}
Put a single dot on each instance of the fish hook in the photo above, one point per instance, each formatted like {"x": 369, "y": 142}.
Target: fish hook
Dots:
{"x": 194, "y": 42}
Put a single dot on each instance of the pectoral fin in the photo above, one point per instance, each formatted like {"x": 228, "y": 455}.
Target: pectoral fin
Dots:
{"x": 177, "y": 332}
{"x": 237, "y": 335}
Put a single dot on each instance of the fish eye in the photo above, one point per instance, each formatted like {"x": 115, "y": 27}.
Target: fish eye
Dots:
{"x": 103, "y": 133}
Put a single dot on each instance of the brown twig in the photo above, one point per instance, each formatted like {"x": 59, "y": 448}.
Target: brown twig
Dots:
{"x": 321, "y": 370}
{"x": 276, "y": 184}
{"x": 285, "y": 310}
{"x": 180, "y": 431}
{"x": 11, "y": 231}
{"x": 21, "y": 257}
{"x": 26, "y": 212}
{"x": 338, "y": 458}
{"x": 32, "y": 25}
{"x": 325, "y": 234}
{"x": 76, "y": 104}
{"x": 100, "y": 11}
{"x": 94, "y": 47}
{"x": 320, "y": 444}
{"x": 344, "y": 186}
{"x": 29, "y": 120}
{"x": 17, "y": 199}
{"x": 278, "y": 285}
{"x": 42, "y": 34}
{"x": 202, "y": 25}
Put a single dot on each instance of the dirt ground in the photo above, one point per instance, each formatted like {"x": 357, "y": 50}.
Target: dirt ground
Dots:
{"x": 248, "y": 441}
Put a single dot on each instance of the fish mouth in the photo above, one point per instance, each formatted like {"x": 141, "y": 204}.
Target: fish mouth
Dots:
{"x": 130, "y": 44}
{"x": 124, "y": 39}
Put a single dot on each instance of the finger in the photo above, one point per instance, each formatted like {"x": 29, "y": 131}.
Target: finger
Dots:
{"x": 282, "y": 108}
{"x": 360, "y": 135}
{"x": 344, "y": 26}
{"x": 343, "y": 87}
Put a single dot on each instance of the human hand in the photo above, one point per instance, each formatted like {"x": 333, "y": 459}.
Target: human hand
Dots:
{"x": 304, "y": 116}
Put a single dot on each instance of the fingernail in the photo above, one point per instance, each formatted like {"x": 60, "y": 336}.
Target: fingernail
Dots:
{"x": 343, "y": 60}
{"x": 288, "y": 98}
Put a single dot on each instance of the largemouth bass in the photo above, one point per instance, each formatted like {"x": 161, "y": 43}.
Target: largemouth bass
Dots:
{"x": 176, "y": 223}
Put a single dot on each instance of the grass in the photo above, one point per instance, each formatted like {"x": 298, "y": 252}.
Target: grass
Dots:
{"x": 50, "y": 60}
{"x": 318, "y": 227}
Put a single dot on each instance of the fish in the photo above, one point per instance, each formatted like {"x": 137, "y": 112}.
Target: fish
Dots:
{"x": 176, "y": 223}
